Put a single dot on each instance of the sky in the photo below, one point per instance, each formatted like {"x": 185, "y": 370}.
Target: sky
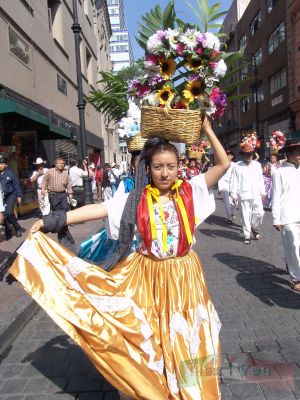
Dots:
{"x": 134, "y": 9}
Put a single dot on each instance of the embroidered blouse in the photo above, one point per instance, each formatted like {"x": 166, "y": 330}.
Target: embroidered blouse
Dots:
{"x": 204, "y": 205}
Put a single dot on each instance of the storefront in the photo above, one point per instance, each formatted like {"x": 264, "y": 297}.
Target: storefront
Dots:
{"x": 21, "y": 130}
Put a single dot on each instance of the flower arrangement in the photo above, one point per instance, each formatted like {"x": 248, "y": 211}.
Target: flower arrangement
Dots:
{"x": 250, "y": 138}
{"x": 182, "y": 70}
{"x": 277, "y": 140}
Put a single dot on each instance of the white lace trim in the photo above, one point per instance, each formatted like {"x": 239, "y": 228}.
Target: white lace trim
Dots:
{"x": 172, "y": 382}
{"x": 215, "y": 328}
{"x": 76, "y": 265}
{"x": 179, "y": 324}
{"x": 113, "y": 304}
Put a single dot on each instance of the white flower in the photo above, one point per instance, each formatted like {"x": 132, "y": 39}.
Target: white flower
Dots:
{"x": 173, "y": 36}
{"x": 151, "y": 67}
{"x": 207, "y": 106}
{"x": 189, "y": 38}
{"x": 220, "y": 68}
{"x": 210, "y": 41}
{"x": 210, "y": 81}
{"x": 152, "y": 99}
{"x": 154, "y": 44}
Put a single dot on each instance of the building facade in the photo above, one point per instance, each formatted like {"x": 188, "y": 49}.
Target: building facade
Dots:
{"x": 120, "y": 46}
{"x": 262, "y": 103}
{"x": 38, "y": 82}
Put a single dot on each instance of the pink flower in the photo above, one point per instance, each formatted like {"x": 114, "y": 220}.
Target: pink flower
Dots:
{"x": 180, "y": 48}
{"x": 152, "y": 59}
{"x": 161, "y": 35}
{"x": 218, "y": 98}
{"x": 199, "y": 50}
{"x": 212, "y": 64}
{"x": 143, "y": 90}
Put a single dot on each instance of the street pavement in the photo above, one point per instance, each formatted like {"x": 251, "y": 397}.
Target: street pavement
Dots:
{"x": 260, "y": 335}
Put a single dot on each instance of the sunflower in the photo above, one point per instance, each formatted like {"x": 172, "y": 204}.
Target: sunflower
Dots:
{"x": 194, "y": 63}
{"x": 193, "y": 90}
{"x": 167, "y": 68}
{"x": 165, "y": 95}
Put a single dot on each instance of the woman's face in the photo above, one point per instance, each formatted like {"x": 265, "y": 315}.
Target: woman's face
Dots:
{"x": 192, "y": 164}
{"x": 273, "y": 159}
{"x": 163, "y": 170}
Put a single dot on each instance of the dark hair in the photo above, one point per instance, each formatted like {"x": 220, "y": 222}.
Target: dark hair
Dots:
{"x": 128, "y": 220}
{"x": 74, "y": 162}
{"x": 276, "y": 155}
{"x": 157, "y": 145}
{"x": 58, "y": 158}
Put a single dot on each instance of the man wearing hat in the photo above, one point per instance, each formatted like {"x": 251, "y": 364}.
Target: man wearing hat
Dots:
{"x": 248, "y": 189}
{"x": 37, "y": 177}
{"x": 285, "y": 207}
{"x": 12, "y": 192}
{"x": 224, "y": 188}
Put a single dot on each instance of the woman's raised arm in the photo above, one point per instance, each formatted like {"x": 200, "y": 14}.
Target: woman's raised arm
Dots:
{"x": 221, "y": 160}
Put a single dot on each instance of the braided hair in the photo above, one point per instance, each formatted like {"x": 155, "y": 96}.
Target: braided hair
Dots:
{"x": 129, "y": 215}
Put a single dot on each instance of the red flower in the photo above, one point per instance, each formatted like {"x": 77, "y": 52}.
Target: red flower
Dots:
{"x": 181, "y": 105}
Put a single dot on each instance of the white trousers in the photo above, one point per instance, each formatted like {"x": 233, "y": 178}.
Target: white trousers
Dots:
{"x": 291, "y": 244}
{"x": 252, "y": 213}
{"x": 228, "y": 203}
{"x": 43, "y": 202}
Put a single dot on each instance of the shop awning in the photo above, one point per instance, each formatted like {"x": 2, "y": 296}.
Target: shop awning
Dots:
{"x": 11, "y": 106}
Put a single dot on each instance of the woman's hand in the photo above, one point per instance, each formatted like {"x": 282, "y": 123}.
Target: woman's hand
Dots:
{"x": 206, "y": 125}
{"x": 37, "y": 226}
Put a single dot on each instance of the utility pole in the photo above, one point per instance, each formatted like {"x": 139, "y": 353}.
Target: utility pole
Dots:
{"x": 82, "y": 149}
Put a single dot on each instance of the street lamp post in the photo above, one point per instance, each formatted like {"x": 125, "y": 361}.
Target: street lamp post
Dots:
{"x": 76, "y": 28}
{"x": 255, "y": 87}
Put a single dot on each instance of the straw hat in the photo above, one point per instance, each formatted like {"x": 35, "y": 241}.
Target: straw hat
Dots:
{"x": 39, "y": 160}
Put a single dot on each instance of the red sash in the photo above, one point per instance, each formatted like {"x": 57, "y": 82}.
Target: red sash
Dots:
{"x": 143, "y": 219}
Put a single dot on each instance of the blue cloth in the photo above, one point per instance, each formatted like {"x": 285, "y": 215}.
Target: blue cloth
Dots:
{"x": 100, "y": 247}
{"x": 10, "y": 183}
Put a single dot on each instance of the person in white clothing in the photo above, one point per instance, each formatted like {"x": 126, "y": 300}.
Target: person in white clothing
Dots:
{"x": 224, "y": 188}
{"x": 37, "y": 177}
{"x": 286, "y": 210}
{"x": 76, "y": 174}
{"x": 2, "y": 208}
{"x": 248, "y": 189}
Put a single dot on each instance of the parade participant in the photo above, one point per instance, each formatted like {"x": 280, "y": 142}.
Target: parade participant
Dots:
{"x": 192, "y": 169}
{"x": 285, "y": 207}
{"x": 37, "y": 177}
{"x": 12, "y": 193}
{"x": 57, "y": 184}
{"x": 224, "y": 188}
{"x": 92, "y": 174}
{"x": 182, "y": 170}
{"x": 2, "y": 209}
{"x": 268, "y": 170}
{"x": 148, "y": 325}
{"x": 248, "y": 189}
{"x": 106, "y": 185}
{"x": 76, "y": 173}
{"x": 99, "y": 181}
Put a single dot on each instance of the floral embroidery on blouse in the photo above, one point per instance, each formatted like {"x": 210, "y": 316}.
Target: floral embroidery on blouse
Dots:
{"x": 172, "y": 224}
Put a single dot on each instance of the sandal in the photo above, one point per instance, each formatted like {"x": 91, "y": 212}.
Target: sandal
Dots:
{"x": 295, "y": 285}
{"x": 247, "y": 241}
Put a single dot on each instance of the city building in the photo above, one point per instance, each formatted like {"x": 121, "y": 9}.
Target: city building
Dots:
{"x": 38, "y": 85}
{"x": 261, "y": 102}
{"x": 293, "y": 50}
{"x": 120, "y": 47}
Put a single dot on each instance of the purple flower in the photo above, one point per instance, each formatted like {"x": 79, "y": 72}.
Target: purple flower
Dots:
{"x": 155, "y": 79}
{"x": 218, "y": 98}
{"x": 161, "y": 35}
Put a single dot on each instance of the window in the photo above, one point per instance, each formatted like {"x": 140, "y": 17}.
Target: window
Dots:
{"x": 276, "y": 38}
{"x": 258, "y": 94}
{"x": 243, "y": 42}
{"x": 255, "y": 24}
{"x": 244, "y": 72}
{"x": 257, "y": 58}
{"x": 112, "y": 2}
{"x": 245, "y": 104}
{"x": 270, "y": 5}
{"x": 278, "y": 80}
{"x": 61, "y": 84}
{"x": 19, "y": 47}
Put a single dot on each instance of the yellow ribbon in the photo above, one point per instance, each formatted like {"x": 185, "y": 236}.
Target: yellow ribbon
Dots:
{"x": 154, "y": 193}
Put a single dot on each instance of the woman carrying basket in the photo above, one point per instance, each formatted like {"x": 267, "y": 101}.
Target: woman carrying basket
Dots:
{"x": 148, "y": 325}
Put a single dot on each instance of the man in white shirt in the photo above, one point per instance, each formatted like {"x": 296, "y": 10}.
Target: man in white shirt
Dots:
{"x": 224, "y": 188}
{"x": 37, "y": 177}
{"x": 286, "y": 209}
{"x": 248, "y": 189}
{"x": 76, "y": 174}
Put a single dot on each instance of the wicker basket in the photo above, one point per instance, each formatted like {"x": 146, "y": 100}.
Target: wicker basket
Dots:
{"x": 136, "y": 143}
{"x": 194, "y": 153}
{"x": 176, "y": 125}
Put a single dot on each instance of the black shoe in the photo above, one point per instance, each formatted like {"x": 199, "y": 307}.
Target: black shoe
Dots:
{"x": 18, "y": 232}
{"x": 256, "y": 234}
{"x": 8, "y": 235}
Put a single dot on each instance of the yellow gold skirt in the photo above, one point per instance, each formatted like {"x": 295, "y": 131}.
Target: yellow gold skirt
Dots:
{"x": 148, "y": 326}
